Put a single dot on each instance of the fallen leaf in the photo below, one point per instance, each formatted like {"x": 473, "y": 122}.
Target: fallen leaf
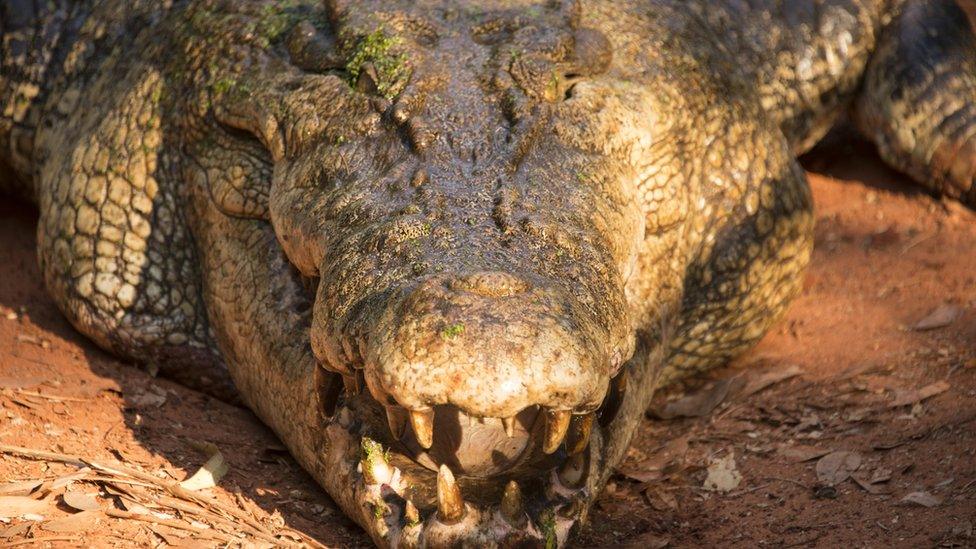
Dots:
{"x": 67, "y": 480}
{"x": 939, "y": 318}
{"x": 924, "y": 499}
{"x": 881, "y": 474}
{"x": 869, "y": 487}
{"x": 963, "y": 529}
{"x": 15, "y": 530}
{"x": 18, "y": 506}
{"x": 698, "y": 404}
{"x": 801, "y": 452}
{"x": 722, "y": 475}
{"x": 657, "y": 465}
{"x": 836, "y": 467}
{"x": 209, "y": 475}
{"x": 152, "y": 397}
{"x": 769, "y": 378}
{"x": 81, "y": 501}
{"x": 79, "y": 522}
{"x": 661, "y": 500}
{"x": 20, "y": 488}
{"x": 912, "y": 397}
{"x": 171, "y": 536}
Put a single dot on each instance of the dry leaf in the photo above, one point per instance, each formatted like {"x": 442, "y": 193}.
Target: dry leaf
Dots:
{"x": 77, "y": 523}
{"x": 18, "y": 506}
{"x": 801, "y": 452}
{"x": 722, "y": 474}
{"x": 881, "y": 474}
{"x": 697, "y": 404}
{"x": 769, "y": 378}
{"x": 67, "y": 480}
{"x": 939, "y": 318}
{"x": 924, "y": 499}
{"x": 20, "y": 488}
{"x": 836, "y": 467}
{"x": 661, "y": 500}
{"x": 153, "y": 396}
{"x": 15, "y": 530}
{"x": 655, "y": 466}
{"x": 869, "y": 487}
{"x": 81, "y": 501}
{"x": 209, "y": 475}
{"x": 929, "y": 391}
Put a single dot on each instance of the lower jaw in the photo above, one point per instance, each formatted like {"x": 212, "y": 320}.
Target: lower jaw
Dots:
{"x": 401, "y": 505}
{"x": 482, "y": 474}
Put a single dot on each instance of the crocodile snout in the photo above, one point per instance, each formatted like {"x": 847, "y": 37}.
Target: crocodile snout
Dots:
{"x": 471, "y": 361}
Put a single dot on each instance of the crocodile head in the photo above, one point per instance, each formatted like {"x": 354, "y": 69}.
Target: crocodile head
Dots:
{"x": 457, "y": 193}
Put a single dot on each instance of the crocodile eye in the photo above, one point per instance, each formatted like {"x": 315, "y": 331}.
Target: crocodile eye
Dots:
{"x": 312, "y": 49}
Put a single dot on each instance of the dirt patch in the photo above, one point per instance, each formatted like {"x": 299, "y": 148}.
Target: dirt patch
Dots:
{"x": 849, "y": 369}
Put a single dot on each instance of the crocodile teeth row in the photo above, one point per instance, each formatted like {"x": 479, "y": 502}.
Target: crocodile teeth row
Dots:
{"x": 455, "y": 521}
{"x": 558, "y": 424}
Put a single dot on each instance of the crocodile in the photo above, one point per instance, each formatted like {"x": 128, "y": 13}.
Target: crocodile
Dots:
{"x": 448, "y": 250}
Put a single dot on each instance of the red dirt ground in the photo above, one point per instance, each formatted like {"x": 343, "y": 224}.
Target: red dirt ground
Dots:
{"x": 886, "y": 257}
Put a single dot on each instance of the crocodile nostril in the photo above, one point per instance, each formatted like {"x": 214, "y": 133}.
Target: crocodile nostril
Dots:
{"x": 491, "y": 284}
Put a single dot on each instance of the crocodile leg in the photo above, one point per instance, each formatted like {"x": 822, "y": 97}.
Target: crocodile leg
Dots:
{"x": 112, "y": 239}
{"x": 918, "y": 102}
{"x": 750, "y": 266}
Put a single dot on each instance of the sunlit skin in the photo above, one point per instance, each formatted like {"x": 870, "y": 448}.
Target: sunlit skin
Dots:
{"x": 448, "y": 250}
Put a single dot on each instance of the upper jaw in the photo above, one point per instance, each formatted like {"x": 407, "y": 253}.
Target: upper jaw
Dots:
{"x": 464, "y": 365}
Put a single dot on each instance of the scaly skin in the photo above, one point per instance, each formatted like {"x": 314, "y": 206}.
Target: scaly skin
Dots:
{"x": 509, "y": 221}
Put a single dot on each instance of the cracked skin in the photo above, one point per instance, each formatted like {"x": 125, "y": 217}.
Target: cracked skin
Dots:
{"x": 448, "y": 250}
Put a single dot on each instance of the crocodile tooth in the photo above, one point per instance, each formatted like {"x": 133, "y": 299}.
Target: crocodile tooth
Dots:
{"x": 511, "y": 506}
{"x": 396, "y": 418}
{"x": 572, "y": 472}
{"x": 557, "y": 423}
{"x": 411, "y": 514}
{"x": 376, "y": 470}
{"x": 579, "y": 433}
{"x": 423, "y": 426}
{"x": 450, "y": 504}
{"x": 509, "y": 424}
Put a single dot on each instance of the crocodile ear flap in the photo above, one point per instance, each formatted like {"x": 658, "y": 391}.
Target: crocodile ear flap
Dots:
{"x": 236, "y": 170}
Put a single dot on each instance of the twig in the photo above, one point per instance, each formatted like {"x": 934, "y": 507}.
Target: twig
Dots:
{"x": 184, "y": 507}
{"x": 748, "y": 490}
{"x": 172, "y": 488}
{"x": 55, "y": 398}
{"x": 31, "y": 541}
{"x": 41, "y": 454}
{"x": 791, "y": 481}
{"x": 172, "y": 523}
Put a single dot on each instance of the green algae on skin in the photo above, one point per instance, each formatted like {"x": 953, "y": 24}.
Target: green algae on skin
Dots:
{"x": 377, "y": 48}
{"x": 452, "y": 331}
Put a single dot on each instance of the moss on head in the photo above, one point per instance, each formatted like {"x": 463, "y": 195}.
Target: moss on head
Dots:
{"x": 379, "y": 50}
{"x": 452, "y": 331}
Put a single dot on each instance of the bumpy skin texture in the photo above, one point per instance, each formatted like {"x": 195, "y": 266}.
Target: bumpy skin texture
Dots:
{"x": 509, "y": 222}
